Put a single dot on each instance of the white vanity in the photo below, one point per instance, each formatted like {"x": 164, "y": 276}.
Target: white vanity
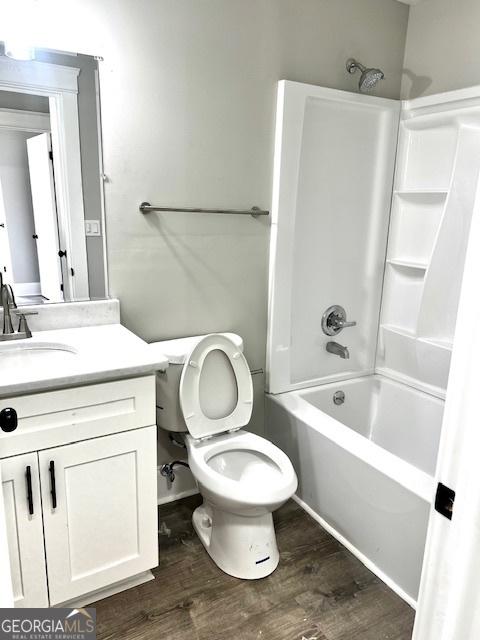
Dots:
{"x": 78, "y": 463}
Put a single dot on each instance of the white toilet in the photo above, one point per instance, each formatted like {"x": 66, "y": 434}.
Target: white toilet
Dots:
{"x": 207, "y": 391}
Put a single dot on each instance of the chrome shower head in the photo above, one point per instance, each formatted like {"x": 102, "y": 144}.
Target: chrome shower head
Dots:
{"x": 369, "y": 77}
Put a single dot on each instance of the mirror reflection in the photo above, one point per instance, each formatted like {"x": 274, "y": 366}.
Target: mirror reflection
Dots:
{"x": 51, "y": 201}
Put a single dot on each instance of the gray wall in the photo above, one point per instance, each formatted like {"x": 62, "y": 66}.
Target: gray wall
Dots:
{"x": 15, "y": 180}
{"x": 188, "y": 111}
{"x": 188, "y": 93}
{"x": 443, "y": 47}
{"x": 188, "y": 116}
{"x": 23, "y": 102}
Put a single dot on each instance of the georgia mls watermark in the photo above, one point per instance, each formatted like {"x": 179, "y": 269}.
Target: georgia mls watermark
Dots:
{"x": 48, "y": 624}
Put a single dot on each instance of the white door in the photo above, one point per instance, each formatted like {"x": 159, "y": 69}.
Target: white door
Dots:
{"x": 45, "y": 216}
{"x": 100, "y": 512}
{"x": 23, "y": 517}
{"x": 5, "y": 255}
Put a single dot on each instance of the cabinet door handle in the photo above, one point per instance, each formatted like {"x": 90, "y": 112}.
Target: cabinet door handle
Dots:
{"x": 28, "y": 475}
{"x": 53, "y": 487}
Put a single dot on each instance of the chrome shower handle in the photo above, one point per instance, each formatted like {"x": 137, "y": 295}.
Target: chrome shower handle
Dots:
{"x": 334, "y": 320}
{"x": 343, "y": 323}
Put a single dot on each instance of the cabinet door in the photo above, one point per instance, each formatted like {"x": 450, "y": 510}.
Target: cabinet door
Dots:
{"x": 100, "y": 512}
{"x": 23, "y": 516}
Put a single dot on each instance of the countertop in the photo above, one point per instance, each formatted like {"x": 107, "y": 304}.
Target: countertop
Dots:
{"x": 67, "y": 357}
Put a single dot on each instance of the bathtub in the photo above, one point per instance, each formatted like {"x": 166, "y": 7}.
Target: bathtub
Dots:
{"x": 365, "y": 468}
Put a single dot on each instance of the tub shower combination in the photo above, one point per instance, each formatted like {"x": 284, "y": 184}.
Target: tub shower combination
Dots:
{"x": 366, "y": 467}
{"x": 368, "y": 249}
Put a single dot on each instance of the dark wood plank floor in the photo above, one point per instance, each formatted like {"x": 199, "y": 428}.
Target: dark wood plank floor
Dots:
{"x": 318, "y": 592}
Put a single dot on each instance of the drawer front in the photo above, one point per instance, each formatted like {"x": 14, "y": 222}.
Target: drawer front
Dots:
{"x": 55, "y": 418}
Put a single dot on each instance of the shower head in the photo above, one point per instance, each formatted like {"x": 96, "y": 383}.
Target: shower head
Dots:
{"x": 369, "y": 77}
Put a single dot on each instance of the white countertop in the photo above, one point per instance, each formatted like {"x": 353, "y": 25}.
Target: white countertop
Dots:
{"x": 68, "y": 357}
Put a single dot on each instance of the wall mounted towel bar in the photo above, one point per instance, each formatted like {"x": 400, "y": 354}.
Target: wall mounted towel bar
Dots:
{"x": 146, "y": 207}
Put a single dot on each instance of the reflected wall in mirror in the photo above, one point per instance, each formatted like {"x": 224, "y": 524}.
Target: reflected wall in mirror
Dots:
{"x": 52, "y": 245}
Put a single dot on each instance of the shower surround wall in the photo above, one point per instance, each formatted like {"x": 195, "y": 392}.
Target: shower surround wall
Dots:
{"x": 366, "y": 466}
{"x": 438, "y": 167}
{"x": 332, "y": 188}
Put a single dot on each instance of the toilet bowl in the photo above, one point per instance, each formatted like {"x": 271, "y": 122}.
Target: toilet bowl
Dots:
{"x": 207, "y": 393}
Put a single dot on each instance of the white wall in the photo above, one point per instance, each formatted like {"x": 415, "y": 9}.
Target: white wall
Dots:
{"x": 443, "y": 47}
{"x": 15, "y": 179}
{"x": 188, "y": 103}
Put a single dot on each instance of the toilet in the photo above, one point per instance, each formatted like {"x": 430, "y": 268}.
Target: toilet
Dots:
{"x": 207, "y": 393}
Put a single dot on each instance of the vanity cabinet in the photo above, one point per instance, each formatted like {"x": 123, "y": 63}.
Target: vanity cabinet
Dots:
{"x": 23, "y": 516}
{"x": 97, "y": 497}
{"x": 81, "y": 516}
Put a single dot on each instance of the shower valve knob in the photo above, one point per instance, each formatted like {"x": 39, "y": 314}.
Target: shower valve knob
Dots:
{"x": 334, "y": 320}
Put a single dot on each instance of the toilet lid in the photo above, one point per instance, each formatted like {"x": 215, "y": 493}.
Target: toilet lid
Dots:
{"x": 216, "y": 391}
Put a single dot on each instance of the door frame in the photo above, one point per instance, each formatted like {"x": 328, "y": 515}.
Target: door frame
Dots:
{"x": 6, "y": 260}
{"x": 50, "y": 289}
{"x": 60, "y": 85}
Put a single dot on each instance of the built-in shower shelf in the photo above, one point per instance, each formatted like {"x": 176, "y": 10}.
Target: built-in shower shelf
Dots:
{"x": 436, "y": 342}
{"x": 408, "y": 264}
{"x": 422, "y": 193}
{"x": 401, "y": 331}
{"x": 405, "y": 333}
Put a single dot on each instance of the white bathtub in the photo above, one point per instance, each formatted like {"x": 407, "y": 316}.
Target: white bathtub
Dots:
{"x": 365, "y": 468}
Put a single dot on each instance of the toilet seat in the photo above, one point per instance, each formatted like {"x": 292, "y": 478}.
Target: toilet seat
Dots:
{"x": 199, "y": 425}
{"x": 217, "y": 481}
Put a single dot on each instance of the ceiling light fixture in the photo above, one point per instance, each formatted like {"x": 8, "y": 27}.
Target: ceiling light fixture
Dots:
{"x": 20, "y": 18}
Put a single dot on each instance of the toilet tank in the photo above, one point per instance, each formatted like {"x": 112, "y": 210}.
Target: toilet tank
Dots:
{"x": 169, "y": 412}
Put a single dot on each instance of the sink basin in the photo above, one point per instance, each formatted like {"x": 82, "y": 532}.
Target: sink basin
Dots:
{"x": 33, "y": 356}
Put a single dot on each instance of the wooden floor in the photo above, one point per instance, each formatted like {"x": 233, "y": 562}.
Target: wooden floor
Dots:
{"x": 318, "y": 592}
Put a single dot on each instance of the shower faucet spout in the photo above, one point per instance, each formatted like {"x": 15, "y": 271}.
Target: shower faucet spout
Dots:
{"x": 338, "y": 350}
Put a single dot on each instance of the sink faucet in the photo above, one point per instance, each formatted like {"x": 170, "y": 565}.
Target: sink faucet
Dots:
{"x": 338, "y": 350}
{"x": 7, "y": 301}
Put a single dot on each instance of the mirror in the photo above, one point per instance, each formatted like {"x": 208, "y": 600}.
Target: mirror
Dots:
{"x": 52, "y": 245}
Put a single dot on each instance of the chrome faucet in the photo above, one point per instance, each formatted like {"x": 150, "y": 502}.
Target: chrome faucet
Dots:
{"x": 335, "y": 320}
{"x": 338, "y": 350}
{"x": 7, "y": 301}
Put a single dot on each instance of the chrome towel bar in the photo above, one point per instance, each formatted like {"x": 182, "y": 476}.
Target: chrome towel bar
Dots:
{"x": 146, "y": 207}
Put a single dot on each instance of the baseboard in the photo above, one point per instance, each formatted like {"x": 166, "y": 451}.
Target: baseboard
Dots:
{"x": 113, "y": 589}
{"x": 177, "y": 496}
{"x": 358, "y": 554}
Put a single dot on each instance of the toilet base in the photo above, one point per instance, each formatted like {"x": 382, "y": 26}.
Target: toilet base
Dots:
{"x": 242, "y": 546}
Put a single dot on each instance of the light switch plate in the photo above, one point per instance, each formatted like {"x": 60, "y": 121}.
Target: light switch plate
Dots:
{"x": 93, "y": 228}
